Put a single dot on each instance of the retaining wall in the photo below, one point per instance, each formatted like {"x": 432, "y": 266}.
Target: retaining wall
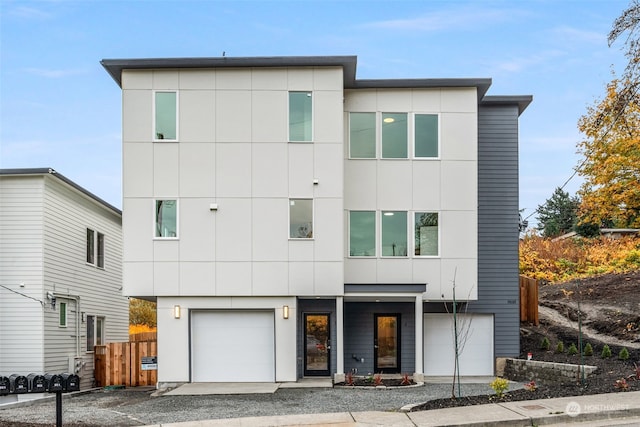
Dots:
{"x": 545, "y": 372}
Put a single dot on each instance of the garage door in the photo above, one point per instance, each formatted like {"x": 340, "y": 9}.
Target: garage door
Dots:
{"x": 476, "y": 357}
{"x": 232, "y": 346}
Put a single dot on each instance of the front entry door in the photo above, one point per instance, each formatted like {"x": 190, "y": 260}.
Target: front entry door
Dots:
{"x": 386, "y": 349}
{"x": 317, "y": 344}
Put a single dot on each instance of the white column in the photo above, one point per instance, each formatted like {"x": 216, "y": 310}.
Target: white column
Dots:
{"x": 339, "y": 342}
{"x": 419, "y": 373}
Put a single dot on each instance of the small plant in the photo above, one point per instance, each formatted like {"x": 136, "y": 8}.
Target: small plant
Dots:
{"x": 349, "y": 378}
{"x": 531, "y": 386}
{"x": 560, "y": 347}
{"x": 606, "y": 352}
{"x": 406, "y": 380}
{"x": 572, "y": 349}
{"x": 369, "y": 378}
{"x": 545, "y": 344}
{"x": 588, "y": 350}
{"x": 624, "y": 354}
{"x": 621, "y": 385}
{"x": 377, "y": 380}
{"x": 636, "y": 374}
{"x": 500, "y": 386}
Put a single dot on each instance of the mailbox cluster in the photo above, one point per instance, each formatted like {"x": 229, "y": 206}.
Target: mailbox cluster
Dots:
{"x": 34, "y": 383}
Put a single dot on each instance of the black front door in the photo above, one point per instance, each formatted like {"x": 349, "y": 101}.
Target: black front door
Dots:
{"x": 386, "y": 349}
{"x": 317, "y": 344}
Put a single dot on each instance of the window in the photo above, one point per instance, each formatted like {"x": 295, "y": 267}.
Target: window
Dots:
{"x": 300, "y": 117}
{"x": 166, "y": 219}
{"x": 394, "y": 233}
{"x": 394, "y": 135}
{"x": 300, "y": 218}
{"x": 95, "y": 252}
{"x": 362, "y": 135}
{"x": 95, "y": 331}
{"x": 166, "y": 113}
{"x": 62, "y": 321}
{"x": 362, "y": 233}
{"x": 426, "y": 135}
{"x": 426, "y": 234}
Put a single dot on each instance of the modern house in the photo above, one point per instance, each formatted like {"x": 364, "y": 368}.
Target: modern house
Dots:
{"x": 60, "y": 275}
{"x": 291, "y": 220}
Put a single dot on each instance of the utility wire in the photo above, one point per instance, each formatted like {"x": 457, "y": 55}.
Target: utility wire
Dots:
{"x": 21, "y": 294}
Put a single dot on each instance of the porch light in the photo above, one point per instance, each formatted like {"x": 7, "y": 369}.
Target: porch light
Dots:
{"x": 285, "y": 311}
{"x": 176, "y": 311}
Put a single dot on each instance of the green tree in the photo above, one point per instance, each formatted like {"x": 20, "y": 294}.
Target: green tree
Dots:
{"x": 142, "y": 312}
{"x": 558, "y": 215}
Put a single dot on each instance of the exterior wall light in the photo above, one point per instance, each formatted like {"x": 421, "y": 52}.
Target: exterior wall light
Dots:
{"x": 176, "y": 311}
{"x": 285, "y": 311}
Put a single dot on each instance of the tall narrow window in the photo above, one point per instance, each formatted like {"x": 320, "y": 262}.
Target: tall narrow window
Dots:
{"x": 362, "y": 233}
{"x": 166, "y": 116}
{"x": 62, "y": 321}
{"x": 100, "y": 250}
{"x": 91, "y": 246}
{"x": 300, "y": 218}
{"x": 394, "y": 135}
{"x": 95, "y": 331}
{"x": 166, "y": 221}
{"x": 99, "y": 330}
{"x": 394, "y": 233}
{"x": 300, "y": 117}
{"x": 426, "y": 233}
{"x": 426, "y": 135}
{"x": 362, "y": 135}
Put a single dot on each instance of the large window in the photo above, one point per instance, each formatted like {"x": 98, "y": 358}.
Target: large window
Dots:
{"x": 166, "y": 219}
{"x": 394, "y": 135}
{"x": 62, "y": 318}
{"x": 95, "y": 248}
{"x": 394, "y": 233}
{"x": 426, "y": 135}
{"x": 362, "y": 135}
{"x": 426, "y": 234}
{"x": 362, "y": 233}
{"x": 301, "y": 218}
{"x": 300, "y": 117}
{"x": 166, "y": 114}
{"x": 95, "y": 331}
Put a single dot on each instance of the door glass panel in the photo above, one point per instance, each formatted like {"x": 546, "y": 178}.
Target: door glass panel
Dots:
{"x": 317, "y": 343}
{"x": 387, "y": 354}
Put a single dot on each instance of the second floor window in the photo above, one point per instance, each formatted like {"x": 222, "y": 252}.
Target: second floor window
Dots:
{"x": 166, "y": 219}
{"x": 95, "y": 248}
{"x": 394, "y": 233}
{"x": 166, "y": 115}
{"x": 300, "y": 117}
{"x": 300, "y": 218}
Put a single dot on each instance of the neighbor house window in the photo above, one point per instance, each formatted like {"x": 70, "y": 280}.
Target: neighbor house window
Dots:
{"x": 426, "y": 233}
{"x": 95, "y": 331}
{"x": 362, "y": 233}
{"x": 166, "y": 219}
{"x": 166, "y": 115}
{"x": 300, "y": 117}
{"x": 362, "y": 135}
{"x": 62, "y": 321}
{"x": 394, "y": 135}
{"x": 394, "y": 233}
{"x": 426, "y": 135}
{"x": 95, "y": 248}
{"x": 300, "y": 218}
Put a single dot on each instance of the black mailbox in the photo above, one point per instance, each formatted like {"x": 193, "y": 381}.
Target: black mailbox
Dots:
{"x": 37, "y": 383}
{"x": 4, "y": 386}
{"x": 70, "y": 382}
{"x": 53, "y": 382}
{"x": 18, "y": 384}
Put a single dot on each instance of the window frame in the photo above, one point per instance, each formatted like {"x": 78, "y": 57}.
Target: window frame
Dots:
{"x": 154, "y": 137}
{"x": 96, "y": 240}
{"x": 414, "y": 234}
{"x": 375, "y": 235}
{"x": 63, "y": 312}
{"x": 90, "y": 246}
{"x": 375, "y": 135}
{"x": 303, "y": 141}
{"x": 154, "y": 219}
{"x": 97, "y": 332}
{"x": 407, "y": 235}
{"x": 438, "y": 135}
{"x": 407, "y": 130}
{"x": 312, "y": 218}
{"x": 100, "y": 249}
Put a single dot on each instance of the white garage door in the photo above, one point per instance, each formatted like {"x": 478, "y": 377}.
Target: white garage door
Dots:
{"x": 476, "y": 357}
{"x": 232, "y": 346}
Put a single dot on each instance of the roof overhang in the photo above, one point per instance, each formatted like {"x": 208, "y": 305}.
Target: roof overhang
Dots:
{"x": 522, "y": 101}
{"x": 375, "y": 292}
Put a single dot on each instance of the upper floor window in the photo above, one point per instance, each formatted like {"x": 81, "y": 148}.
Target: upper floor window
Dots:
{"x": 300, "y": 117}
{"x": 166, "y": 116}
{"x": 394, "y": 135}
{"x": 394, "y": 233}
{"x": 426, "y": 135}
{"x": 95, "y": 248}
{"x": 362, "y": 135}
{"x": 426, "y": 233}
{"x": 300, "y": 218}
{"x": 62, "y": 319}
{"x": 362, "y": 233}
{"x": 166, "y": 219}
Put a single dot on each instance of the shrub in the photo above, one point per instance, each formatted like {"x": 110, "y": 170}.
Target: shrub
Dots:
{"x": 349, "y": 378}
{"x": 572, "y": 349}
{"x": 588, "y": 350}
{"x": 560, "y": 347}
{"x": 531, "y": 386}
{"x": 545, "y": 344}
{"x": 499, "y": 385}
{"x": 621, "y": 384}
{"x": 624, "y": 354}
{"x": 606, "y": 352}
{"x": 377, "y": 379}
{"x": 406, "y": 380}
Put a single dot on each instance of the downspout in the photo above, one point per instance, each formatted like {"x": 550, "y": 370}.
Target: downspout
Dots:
{"x": 76, "y": 298}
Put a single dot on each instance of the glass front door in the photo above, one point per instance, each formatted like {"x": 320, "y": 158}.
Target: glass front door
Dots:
{"x": 386, "y": 349}
{"x": 317, "y": 344}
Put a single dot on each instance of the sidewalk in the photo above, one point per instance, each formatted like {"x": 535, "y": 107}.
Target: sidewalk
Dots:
{"x": 623, "y": 407}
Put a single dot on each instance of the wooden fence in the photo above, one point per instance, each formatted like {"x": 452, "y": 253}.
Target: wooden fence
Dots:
{"x": 120, "y": 363}
{"x": 529, "y": 300}
{"x": 143, "y": 336}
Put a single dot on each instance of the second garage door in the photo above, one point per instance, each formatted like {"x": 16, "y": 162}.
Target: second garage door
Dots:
{"x": 232, "y": 346}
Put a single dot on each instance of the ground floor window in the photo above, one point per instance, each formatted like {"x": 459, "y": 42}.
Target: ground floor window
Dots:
{"x": 95, "y": 331}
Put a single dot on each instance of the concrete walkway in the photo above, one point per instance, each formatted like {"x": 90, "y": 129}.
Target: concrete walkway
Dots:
{"x": 194, "y": 389}
{"x": 583, "y": 410}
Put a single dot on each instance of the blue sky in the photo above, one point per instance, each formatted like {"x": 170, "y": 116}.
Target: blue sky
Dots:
{"x": 60, "y": 109}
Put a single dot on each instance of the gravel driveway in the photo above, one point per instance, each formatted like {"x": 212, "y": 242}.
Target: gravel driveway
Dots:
{"x": 133, "y": 407}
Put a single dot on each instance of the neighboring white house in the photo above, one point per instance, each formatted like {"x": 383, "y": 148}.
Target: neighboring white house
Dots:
{"x": 60, "y": 275}
{"x": 292, "y": 220}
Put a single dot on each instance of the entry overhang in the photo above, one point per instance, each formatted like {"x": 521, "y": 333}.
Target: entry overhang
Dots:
{"x": 378, "y": 292}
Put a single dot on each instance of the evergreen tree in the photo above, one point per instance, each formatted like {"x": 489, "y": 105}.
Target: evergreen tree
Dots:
{"x": 558, "y": 215}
